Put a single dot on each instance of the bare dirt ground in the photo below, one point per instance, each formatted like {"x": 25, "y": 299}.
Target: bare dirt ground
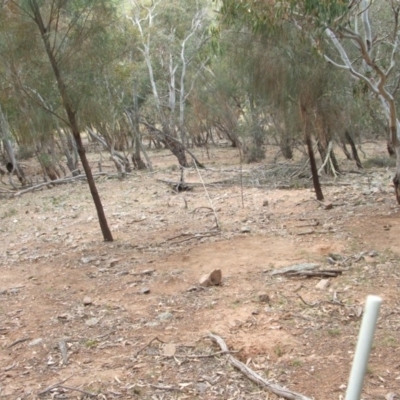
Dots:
{"x": 81, "y": 318}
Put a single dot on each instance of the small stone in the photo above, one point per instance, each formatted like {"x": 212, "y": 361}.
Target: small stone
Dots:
{"x": 245, "y": 229}
{"x": 201, "y": 387}
{"x": 64, "y": 317}
{"x": 113, "y": 262}
{"x": 331, "y": 261}
{"x": 87, "y": 260}
{"x": 265, "y": 203}
{"x": 35, "y": 342}
{"x": 328, "y": 206}
{"x": 144, "y": 290}
{"x": 165, "y": 316}
{"x": 122, "y": 273}
{"x": 212, "y": 279}
{"x": 152, "y": 324}
{"x": 263, "y": 298}
{"x": 92, "y": 322}
{"x": 87, "y": 301}
{"x": 359, "y": 311}
{"x": 322, "y": 284}
{"x": 255, "y": 312}
{"x": 169, "y": 350}
{"x": 335, "y": 257}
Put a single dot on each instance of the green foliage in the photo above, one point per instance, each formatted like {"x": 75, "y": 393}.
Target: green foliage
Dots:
{"x": 268, "y": 16}
{"x": 9, "y": 213}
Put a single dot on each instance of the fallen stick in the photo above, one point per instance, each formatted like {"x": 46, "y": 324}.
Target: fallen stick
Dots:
{"x": 57, "y": 182}
{"x": 217, "y": 353}
{"x": 147, "y": 345}
{"x": 164, "y": 387}
{"x": 51, "y": 387}
{"x": 63, "y": 349}
{"x": 321, "y": 273}
{"x": 208, "y": 196}
{"x": 17, "y": 342}
{"x": 78, "y": 390}
{"x": 253, "y": 376}
{"x": 294, "y": 268}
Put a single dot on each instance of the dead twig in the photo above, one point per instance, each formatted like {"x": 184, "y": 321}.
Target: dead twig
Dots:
{"x": 294, "y": 268}
{"x": 326, "y": 273}
{"x": 208, "y": 196}
{"x": 145, "y": 272}
{"x": 190, "y": 236}
{"x": 308, "y": 232}
{"x": 17, "y": 342}
{"x": 217, "y": 353}
{"x": 164, "y": 387}
{"x": 201, "y": 208}
{"x": 147, "y": 345}
{"x": 51, "y": 387}
{"x": 195, "y": 237}
{"x": 63, "y": 349}
{"x": 78, "y": 390}
{"x": 253, "y": 376}
{"x": 307, "y": 304}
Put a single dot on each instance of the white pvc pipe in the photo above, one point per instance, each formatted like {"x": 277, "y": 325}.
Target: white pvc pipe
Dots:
{"x": 363, "y": 348}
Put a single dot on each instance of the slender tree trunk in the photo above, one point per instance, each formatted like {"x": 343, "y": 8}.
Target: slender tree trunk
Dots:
{"x": 354, "y": 151}
{"x": 44, "y": 31}
{"x": 177, "y": 149}
{"x": 396, "y": 179}
{"x": 314, "y": 170}
{"x": 313, "y": 164}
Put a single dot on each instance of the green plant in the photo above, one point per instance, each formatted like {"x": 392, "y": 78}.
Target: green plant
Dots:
{"x": 91, "y": 343}
{"x": 389, "y": 341}
{"x": 297, "y": 363}
{"x": 279, "y": 351}
{"x": 334, "y": 332}
{"x": 9, "y": 213}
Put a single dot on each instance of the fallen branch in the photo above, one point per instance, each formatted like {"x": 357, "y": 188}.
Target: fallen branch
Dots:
{"x": 253, "y": 376}
{"x": 320, "y": 273}
{"x": 190, "y": 236}
{"x": 56, "y": 182}
{"x": 294, "y": 268}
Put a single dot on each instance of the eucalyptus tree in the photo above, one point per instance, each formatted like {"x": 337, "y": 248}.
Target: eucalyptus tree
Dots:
{"x": 368, "y": 52}
{"x": 62, "y": 37}
{"x": 173, "y": 35}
